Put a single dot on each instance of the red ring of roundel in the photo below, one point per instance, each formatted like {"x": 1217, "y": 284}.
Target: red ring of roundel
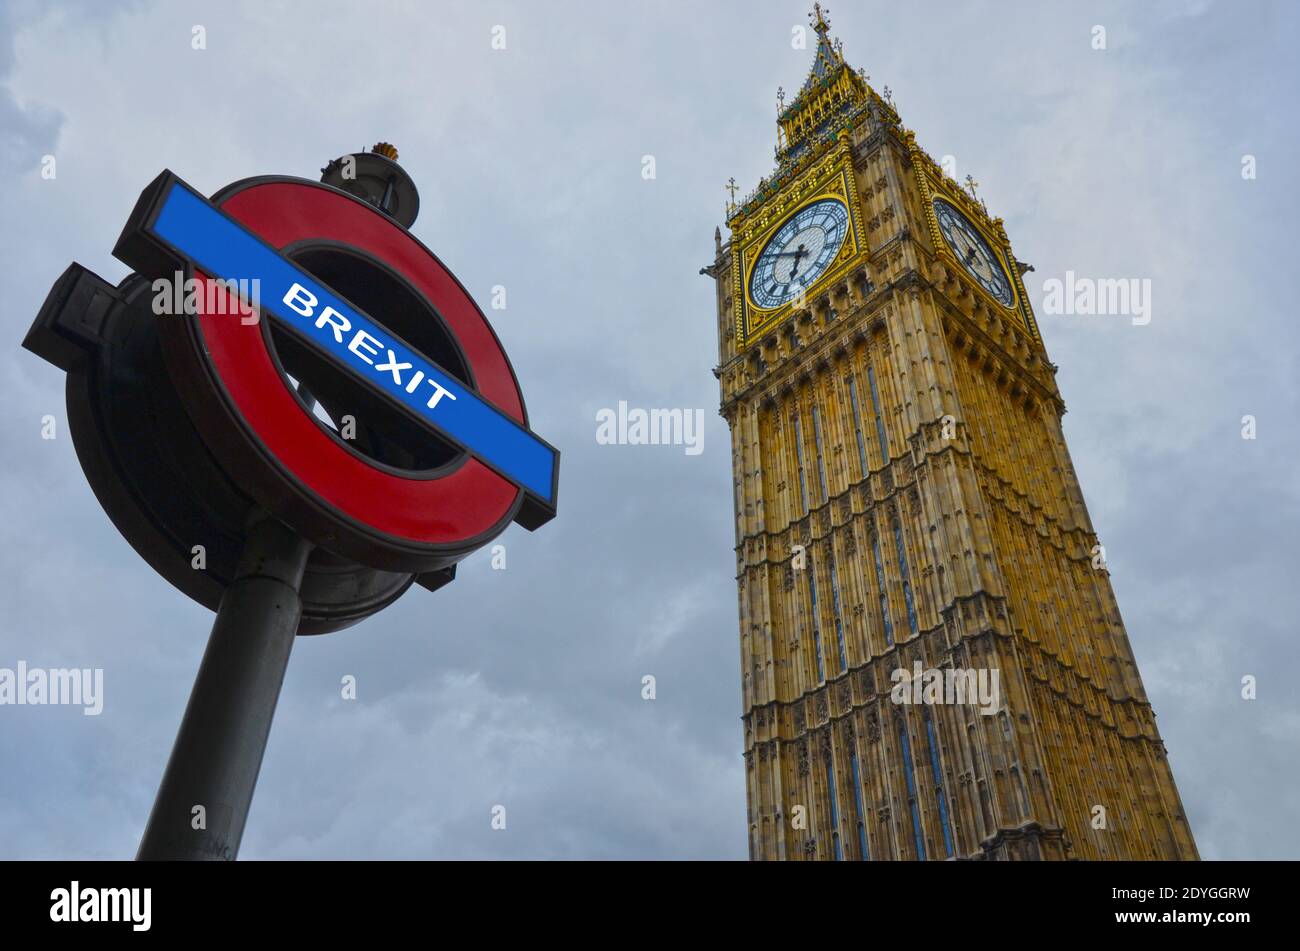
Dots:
{"x": 446, "y": 510}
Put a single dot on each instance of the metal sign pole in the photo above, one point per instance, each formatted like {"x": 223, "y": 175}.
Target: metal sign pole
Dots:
{"x": 207, "y": 788}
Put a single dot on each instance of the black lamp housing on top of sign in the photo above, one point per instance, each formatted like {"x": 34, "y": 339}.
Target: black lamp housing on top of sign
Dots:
{"x": 377, "y": 179}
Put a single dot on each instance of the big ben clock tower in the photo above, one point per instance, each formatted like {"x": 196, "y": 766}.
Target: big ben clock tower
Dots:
{"x": 933, "y": 662}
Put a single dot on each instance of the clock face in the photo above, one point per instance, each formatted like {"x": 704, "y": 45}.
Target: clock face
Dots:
{"x": 974, "y": 252}
{"x": 799, "y": 253}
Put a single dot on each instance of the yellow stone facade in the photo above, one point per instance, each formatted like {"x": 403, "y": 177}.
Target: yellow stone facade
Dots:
{"x": 903, "y": 493}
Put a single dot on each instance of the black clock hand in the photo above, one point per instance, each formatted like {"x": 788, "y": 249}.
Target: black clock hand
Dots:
{"x": 801, "y": 250}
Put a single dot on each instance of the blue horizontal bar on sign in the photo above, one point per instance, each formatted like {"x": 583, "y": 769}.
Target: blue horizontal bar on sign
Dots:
{"x": 222, "y": 248}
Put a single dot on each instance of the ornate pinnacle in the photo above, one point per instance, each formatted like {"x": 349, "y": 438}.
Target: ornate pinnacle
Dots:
{"x": 971, "y": 185}
{"x": 818, "y": 16}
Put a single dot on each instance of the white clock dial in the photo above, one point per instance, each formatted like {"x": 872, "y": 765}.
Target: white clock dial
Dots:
{"x": 799, "y": 253}
{"x": 974, "y": 252}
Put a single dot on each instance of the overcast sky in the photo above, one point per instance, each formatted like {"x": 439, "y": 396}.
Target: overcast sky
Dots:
{"x": 523, "y": 687}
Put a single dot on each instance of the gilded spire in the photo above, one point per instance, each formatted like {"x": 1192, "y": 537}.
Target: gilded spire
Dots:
{"x": 818, "y": 16}
{"x": 830, "y": 102}
{"x": 828, "y": 57}
{"x": 830, "y": 93}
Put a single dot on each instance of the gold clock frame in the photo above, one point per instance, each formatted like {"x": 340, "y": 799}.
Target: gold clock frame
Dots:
{"x": 832, "y": 177}
{"x": 931, "y": 187}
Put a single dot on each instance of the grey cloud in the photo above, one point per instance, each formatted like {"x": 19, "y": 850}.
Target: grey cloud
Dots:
{"x": 522, "y": 687}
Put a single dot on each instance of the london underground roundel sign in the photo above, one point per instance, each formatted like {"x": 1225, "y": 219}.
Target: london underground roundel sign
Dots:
{"x": 391, "y": 345}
